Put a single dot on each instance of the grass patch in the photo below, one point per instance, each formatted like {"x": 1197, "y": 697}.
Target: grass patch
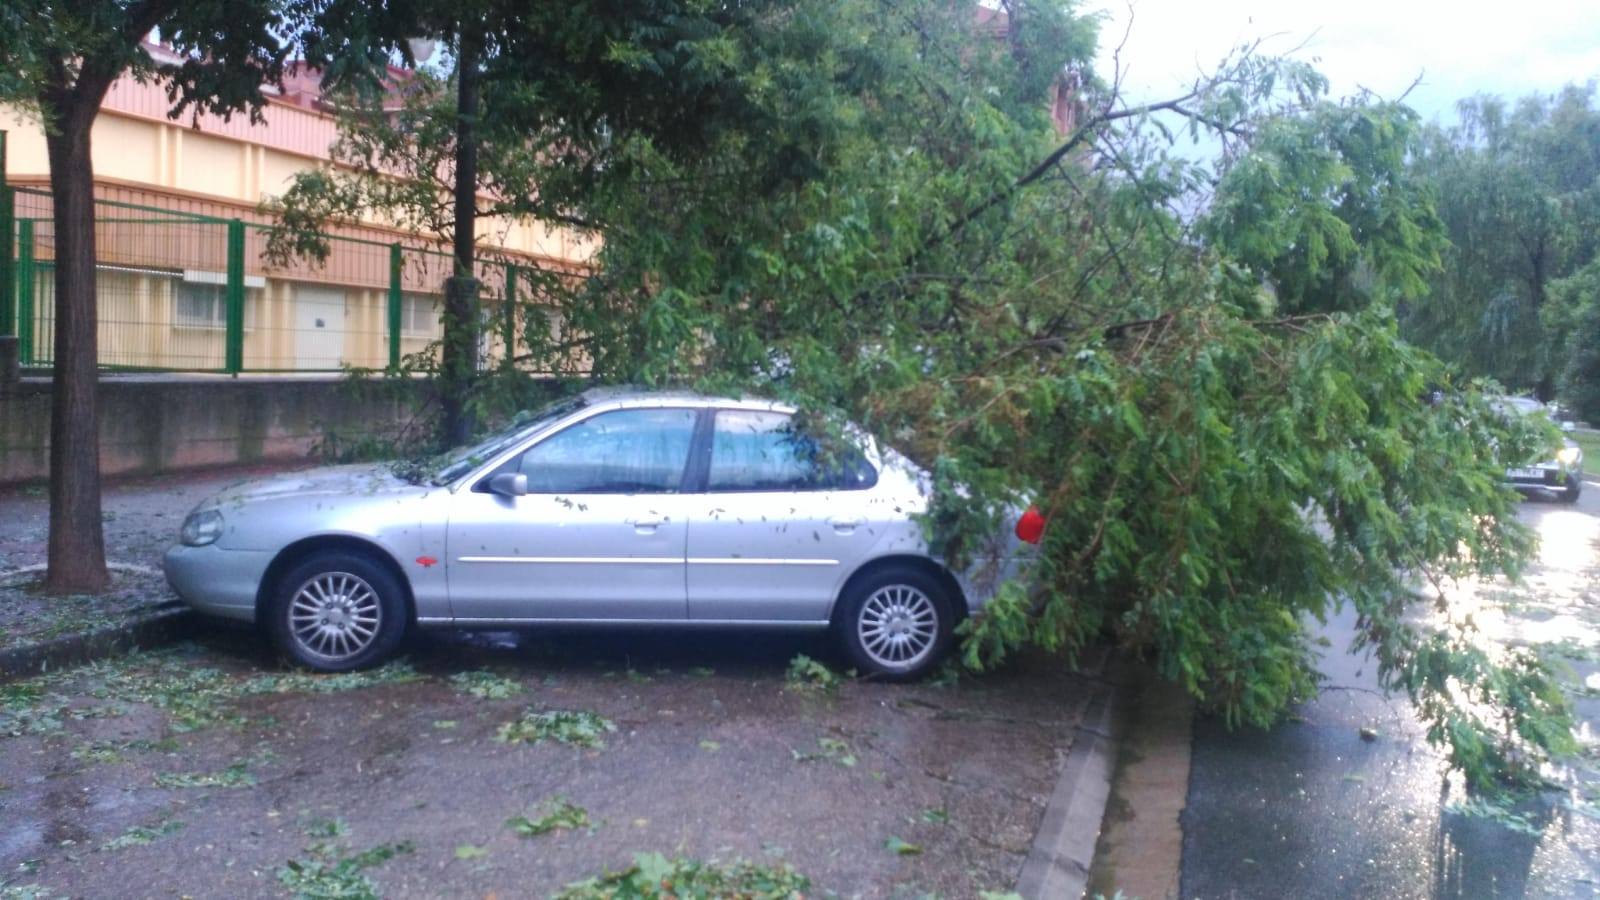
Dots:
{"x": 1590, "y": 442}
{"x": 655, "y": 877}
{"x": 578, "y": 728}
{"x": 559, "y": 814}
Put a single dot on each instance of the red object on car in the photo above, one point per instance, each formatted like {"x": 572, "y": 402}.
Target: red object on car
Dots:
{"x": 1030, "y": 528}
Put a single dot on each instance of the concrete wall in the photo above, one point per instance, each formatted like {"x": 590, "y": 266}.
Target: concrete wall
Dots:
{"x": 172, "y": 423}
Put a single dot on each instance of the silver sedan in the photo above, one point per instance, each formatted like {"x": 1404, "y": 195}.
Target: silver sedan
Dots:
{"x": 608, "y": 509}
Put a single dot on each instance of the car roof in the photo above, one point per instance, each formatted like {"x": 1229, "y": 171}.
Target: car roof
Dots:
{"x": 620, "y": 397}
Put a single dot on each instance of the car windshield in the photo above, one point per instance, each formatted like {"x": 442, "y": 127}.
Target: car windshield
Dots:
{"x": 459, "y": 462}
{"x": 1524, "y": 406}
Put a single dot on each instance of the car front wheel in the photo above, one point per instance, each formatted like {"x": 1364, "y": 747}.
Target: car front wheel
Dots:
{"x": 335, "y": 612}
{"x": 896, "y": 623}
{"x": 1574, "y": 488}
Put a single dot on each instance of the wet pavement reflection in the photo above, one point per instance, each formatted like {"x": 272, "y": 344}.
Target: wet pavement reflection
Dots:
{"x": 1313, "y": 808}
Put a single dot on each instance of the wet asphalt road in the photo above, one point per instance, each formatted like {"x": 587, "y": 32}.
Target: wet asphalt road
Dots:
{"x": 1311, "y": 809}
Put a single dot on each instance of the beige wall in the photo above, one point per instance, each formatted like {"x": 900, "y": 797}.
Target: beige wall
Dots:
{"x": 153, "y": 162}
{"x": 174, "y": 157}
{"x": 139, "y": 327}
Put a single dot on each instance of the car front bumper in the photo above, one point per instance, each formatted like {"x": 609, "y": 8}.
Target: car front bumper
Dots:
{"x": 215, "y": 581}
{"x": 1553, "y": 479}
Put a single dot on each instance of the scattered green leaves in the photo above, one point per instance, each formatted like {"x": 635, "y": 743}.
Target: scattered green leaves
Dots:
{"x": 329, "y": 872}
{"x": 486, "y": 685}
{"x": 901, "y": 848}
{"x": 140, "y": 835}
{"x": 655, "y": 877}
{"x": 557, "y": 813}
{"x": 579, "y": 728}
{"x": 237, "y": 775}
{"x": 834, "y": 750}
{"x": 811, "y": 676}
{"x": 1495, "y": 809}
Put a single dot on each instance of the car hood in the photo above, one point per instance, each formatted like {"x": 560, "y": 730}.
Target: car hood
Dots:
{"x": 367, "y": 479}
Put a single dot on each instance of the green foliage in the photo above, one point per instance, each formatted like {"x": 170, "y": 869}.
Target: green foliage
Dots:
{"x": 486, "y": 685}
{"x": 654, "y": 877}
{"x": 1573, "y": 314}
{"x": 236, "y": 775}
{"x": 1210, "y": 402}
{"x": 901, "y": 848}
{"x": 811, "y": 676}
{"x": 330, "y": 872}
{"x": 1518, "y": 188}
{"x": 140, "y": 835}
{"x": 1495, "y": 809}
{"x": 831, "y": 750}
{"x": 579, "y": 728}
{"x": 555, "y": 813}
{"x": 1195, "y": 371}
{"x": 191, "y": 697}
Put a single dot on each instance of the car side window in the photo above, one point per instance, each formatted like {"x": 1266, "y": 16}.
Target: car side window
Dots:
{"x": 756, "y": 450}
{"x": 627, "y": 451}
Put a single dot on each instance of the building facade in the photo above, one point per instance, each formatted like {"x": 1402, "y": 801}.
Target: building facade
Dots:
{"x": 179, "y": 207}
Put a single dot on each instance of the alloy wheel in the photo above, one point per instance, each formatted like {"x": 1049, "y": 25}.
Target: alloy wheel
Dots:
{"x": 898, "y": 626}
{"x": 334, "y": 616}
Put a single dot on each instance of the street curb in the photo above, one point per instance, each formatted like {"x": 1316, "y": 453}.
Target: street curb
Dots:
{"x": 1057, "y": 866}
{"x": 167, "y": 623}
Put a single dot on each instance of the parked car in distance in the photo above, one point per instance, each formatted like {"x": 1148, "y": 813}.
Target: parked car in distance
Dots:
{"x": 1560, "y": 474}
{"x": 612, "y": 508}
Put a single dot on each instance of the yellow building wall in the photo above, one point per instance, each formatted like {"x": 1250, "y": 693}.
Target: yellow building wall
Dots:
{"x": 142, "y": 264}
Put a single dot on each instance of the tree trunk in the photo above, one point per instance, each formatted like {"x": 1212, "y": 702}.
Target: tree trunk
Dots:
{"x": 458, "y": 356}
{"x": 77, "y": 540}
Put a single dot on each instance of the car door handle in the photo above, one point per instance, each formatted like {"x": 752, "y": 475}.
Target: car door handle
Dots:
{"x": 844, "y": 526}
{"x": 646, "y": 526}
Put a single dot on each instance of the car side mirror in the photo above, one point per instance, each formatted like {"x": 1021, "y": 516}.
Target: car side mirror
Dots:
{"x": 509, "y": 484}
{"x": 1569, "y": 426}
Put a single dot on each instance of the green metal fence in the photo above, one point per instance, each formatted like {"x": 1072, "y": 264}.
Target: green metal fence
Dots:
{"x": 180, "y": 291}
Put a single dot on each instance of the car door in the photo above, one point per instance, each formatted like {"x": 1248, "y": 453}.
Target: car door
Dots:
{"x": 774, "y": 535}
{"x": 600, "y": 534}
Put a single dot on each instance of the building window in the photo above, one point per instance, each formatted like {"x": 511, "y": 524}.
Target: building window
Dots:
{"x": 419, "y": 315}
{"x": 204, "y": 304}
{"x": 200, "y": 306}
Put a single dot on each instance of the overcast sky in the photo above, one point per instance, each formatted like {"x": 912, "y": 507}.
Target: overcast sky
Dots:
{"x": 1460, "y": 48}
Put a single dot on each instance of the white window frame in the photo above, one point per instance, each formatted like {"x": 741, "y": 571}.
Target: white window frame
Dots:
{"x": 217, "y": 283}
{"x": 410, "y": 303}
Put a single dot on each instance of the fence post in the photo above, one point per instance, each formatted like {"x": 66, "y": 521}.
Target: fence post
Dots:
{"x": 510, "y": 323}
{"x": 25, "y": 291}
{"x": 234, "y": 345}
{"x": 395, "y": 299}
{"x": 8, "y": 228}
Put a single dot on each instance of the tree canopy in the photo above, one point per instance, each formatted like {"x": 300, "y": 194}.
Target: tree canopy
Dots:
{"x": 1194, "y": 370}
{"x": 1518, "y": 188}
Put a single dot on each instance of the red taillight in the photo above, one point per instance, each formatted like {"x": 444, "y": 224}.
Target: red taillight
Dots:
{"x": 1031, "y": 526}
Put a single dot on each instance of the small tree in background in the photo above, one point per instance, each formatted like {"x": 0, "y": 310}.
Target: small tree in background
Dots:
{"x": 1518, "y": 188}
{"x": 62, "y": 56}
{"x": 521, "y": 120}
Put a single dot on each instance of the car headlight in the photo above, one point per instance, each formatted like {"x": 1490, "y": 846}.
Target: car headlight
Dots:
{"x": 1570, "y": 456}
{"x": 202, "y": 527}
